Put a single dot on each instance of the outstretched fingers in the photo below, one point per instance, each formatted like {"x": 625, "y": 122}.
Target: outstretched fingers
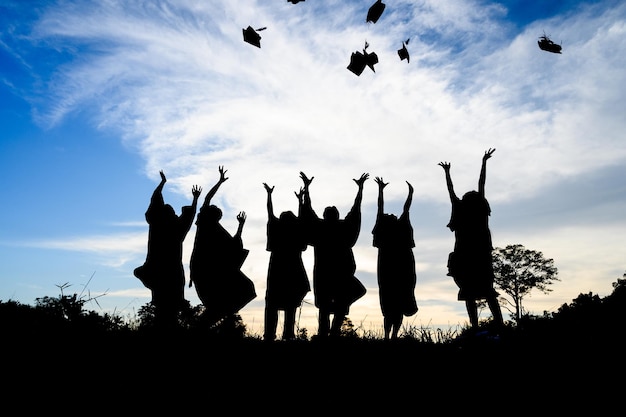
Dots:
{"x": 305, "y": 179}
{"x": 223, "y": 172}
{"x": 361, "y": 180}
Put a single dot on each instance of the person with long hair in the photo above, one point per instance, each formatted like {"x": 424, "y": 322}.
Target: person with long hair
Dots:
{"x": 393, "y": 236}
{"x": 470, "y": 263}
{"x": 287, "y": 280}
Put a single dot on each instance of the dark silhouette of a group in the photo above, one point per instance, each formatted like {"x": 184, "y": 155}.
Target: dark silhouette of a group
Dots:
{"x": 217, "y": 257}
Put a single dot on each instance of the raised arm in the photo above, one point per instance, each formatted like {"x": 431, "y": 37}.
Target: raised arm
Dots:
{"x": 270, "y": 205}
{"x": 157, "y": 195}
{"x": 189, "y": 212}
{"x": 300, "y": 197}
{"x": 241, "y": 218}
{"x": 359, "y": 194}
{"x": 195, "y": 191}
{"x": 213, "y": 190}
{"x": 381, "y": 201}
{"x": 409, "y": 200}
{"x": 306, "y": 180}
{"x": 306, "y": 197}
{"x": 483, "y": 171}
{"x": 446, "y": 169}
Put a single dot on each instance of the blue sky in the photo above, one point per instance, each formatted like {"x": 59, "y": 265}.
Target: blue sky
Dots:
{"x": 97, "y": 97}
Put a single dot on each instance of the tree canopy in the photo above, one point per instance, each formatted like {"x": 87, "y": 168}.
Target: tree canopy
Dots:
{"x": 518, "y": 271}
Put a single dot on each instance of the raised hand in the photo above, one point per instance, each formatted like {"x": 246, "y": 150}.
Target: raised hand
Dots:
{"x": 361, "y": 180}
{"x": 241, "y": 217}
{"x": 163, "y": 179}
{"x": 444, "y": 165}
{"x": 223, "y": 171}
{"x": 488, "y": 153}
{"x": 268, "y": 188}
{"x": 307, "y": 181}
{"x": 380, "y": 182}
{"x": 196, "y": 190}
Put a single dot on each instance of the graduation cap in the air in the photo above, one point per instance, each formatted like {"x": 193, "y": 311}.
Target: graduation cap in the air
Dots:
{"x": 403, "y": 53}
{"x": 358, "y": 60}
{"x": 374, "y": 12}
{"x": 294, "y": 1}
{"x": 252, "y": 37}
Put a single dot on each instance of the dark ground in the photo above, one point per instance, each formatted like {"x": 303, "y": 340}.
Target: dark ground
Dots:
{"x": 570, "y": 363}
{"x": 542, "y": 374}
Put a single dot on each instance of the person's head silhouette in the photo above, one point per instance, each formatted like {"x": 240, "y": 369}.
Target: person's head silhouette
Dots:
{"x": 331, "y": 214}
{"x": 288, "y": 217}
{"x": 471, "y": 196}
{"x": 213, "y": 212}
{"x": 473, "y": 202}
{"x": 169, "y": 210}
{"x": 167, "y": 214}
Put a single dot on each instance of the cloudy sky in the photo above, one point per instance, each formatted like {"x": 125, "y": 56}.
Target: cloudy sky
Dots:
{"x": 97, "y": 96}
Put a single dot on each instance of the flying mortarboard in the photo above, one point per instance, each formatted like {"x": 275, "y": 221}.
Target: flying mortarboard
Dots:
{"x": 358, "y": 60}
{"x": 357, "y": 63}
{"x": 252, "y": 37}
{"x": 403, "y": 53}
{"x": 294, "y": 1}
{"x": 374, "y": 12}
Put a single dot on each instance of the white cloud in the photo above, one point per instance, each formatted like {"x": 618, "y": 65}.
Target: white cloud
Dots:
{"x": 179, "y": 83}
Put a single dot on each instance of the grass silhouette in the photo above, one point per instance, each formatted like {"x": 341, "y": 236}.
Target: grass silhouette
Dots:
{"x": 58, "y": 352}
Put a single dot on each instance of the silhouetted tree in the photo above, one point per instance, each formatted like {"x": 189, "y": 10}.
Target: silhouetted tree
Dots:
{"x": 619, "y": 287}
{"x": 65, "y": 313}
{"x": 587, "y": 303}
{"x": 519, "y": 270}
{"x": 615, "y": 304}
{"x": 347, "y": 328}
{"x": 187, "y": 317}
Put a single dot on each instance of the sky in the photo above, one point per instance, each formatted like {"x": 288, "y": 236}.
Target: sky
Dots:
{"x": 96, "y": 97}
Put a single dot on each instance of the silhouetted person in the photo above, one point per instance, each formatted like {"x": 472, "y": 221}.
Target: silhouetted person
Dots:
{"x": 393, "y": 236}
{"x": 470, "y": 264}
{"x": 163, "y": 272}
{"x": 287, "y": 280}
{"x": 216, "y": 260}
{"x": 335, "y": 287}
